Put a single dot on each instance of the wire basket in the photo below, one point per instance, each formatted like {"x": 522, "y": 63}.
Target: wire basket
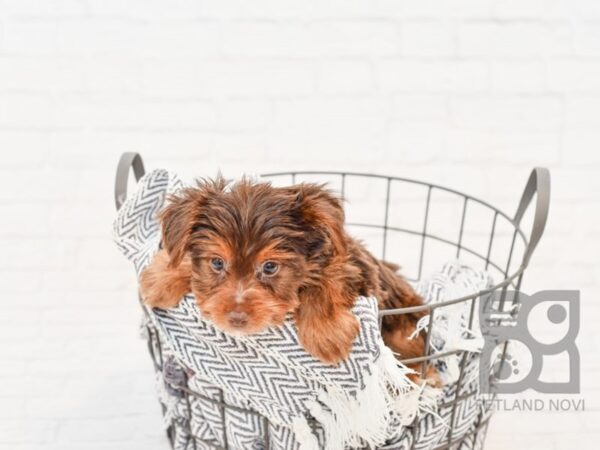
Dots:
{"x": 417, "y": 224}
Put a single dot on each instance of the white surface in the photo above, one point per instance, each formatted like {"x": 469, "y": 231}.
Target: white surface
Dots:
{"x": 469, "y": 93}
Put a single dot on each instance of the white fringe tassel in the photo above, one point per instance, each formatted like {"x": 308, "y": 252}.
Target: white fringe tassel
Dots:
{"x": 365, "y": 419}
{"x": 304, "y": 435}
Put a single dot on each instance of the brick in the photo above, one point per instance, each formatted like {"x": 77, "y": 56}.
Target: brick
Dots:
{"x": 586, "y": 39}
{"x": 27, "y": 386}
{"x": 38, "y": 184}
{"x": 22, "y": 149}
{"x": 93, "y": 36}
{"x": 39, "y": 253}
{"x": 575, "y": 183}
{"x": 345, "y": 77}
{"x": 112, "y": 73}
{"x": 499, "y": 113}
{"x": 33, "y": 431}
{"x": 512, "y": 39}
{"x": 311, "y": 9}
{"x": 525, "y": 147}
{"x": 580, "y": 147}
{"x": 192, "y": 39}
{"x": 588, "y": 9}
{"x": 41, "y": 73}
{"x": 191, "y": 115}
{"x": 99, "y": 407}
{"x": 407, "y": 75}
{"x": 467, "y": 76}
{"x": 20, "y": 281}
{"x": 78, "y": 150}
{"x": 236, "y": 78}
{"x": 427, "y": 38}
{"x": 14, "y": 366}
{"x": 30, "y": 37}
{"x": 98, "y": 112}
{"x": 569, "y": 75}
{"x": 82, "y": 368}
{"x": 12, "y": 408}
{"x": 123, "y": 113}
{"x": 99, "y": 253}
{"x": 518, "y": 9}
{"x": 581, "y": 111}
{"x": 14, "y": 333}
{"x": 261, "y": 9}
{"x": 419, "y": 107}
{"x": 97, "y": 430}
{"x": 468, "y": 9}
{"x": 307, "y": 128}
{"x": 23, "y": 221}
{"x": 405, "y": 138}
{"x": 99, "y": 298}
{"x": 194, "y": 148}
{"x": 26, "y": 111}
{"x": 229, "y": 146}
{"x": 78, "y": 220}
{"x": 251, "y": 38}
{"x": 139, "y": 9}
{"x": 341, "y": 38}
{"x": 44, "y": 9}
{"x": 99, "y": 280}
{"x": 518, "y": 77}
{"x": 240, "y": 114}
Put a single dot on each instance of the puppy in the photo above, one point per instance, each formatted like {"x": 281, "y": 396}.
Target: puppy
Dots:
{"x": 252, "y": 253}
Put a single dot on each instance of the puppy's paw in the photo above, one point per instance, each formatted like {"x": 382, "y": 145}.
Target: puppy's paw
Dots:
{"x": 329, "y": 339}
{"x": 162, "y": 286}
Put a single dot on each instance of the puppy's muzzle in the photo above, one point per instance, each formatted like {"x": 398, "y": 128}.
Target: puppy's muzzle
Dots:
{"x": 238, "y": 319}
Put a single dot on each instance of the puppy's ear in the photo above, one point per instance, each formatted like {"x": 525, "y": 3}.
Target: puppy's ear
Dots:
{"x": 326, "y": 325}
{"x": 321, "y": 215}
{"x": 179, "y": 217}
{"x": 177, "y": 221}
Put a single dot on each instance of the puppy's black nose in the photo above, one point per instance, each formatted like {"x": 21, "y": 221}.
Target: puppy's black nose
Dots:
{"x": 238, "y": 319}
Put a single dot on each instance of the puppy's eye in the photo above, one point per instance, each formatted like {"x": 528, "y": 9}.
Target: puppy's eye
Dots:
{"x": 217, "y": 264}
{"x": 270, "y": 268}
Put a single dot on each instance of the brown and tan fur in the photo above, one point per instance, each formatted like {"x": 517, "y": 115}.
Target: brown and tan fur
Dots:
{"x": 219, "y": 240}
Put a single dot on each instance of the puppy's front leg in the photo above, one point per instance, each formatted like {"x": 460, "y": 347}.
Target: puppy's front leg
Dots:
{"x": 162, "y": 286}
{"x": 326, "y": 330}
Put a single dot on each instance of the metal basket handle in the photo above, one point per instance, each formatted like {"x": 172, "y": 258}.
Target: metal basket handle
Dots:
{"x": 128, "y": 160}
{"x": 538, "y": 183}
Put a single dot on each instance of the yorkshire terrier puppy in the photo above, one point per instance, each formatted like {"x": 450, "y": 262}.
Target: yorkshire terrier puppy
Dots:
{"x": 252, "y": 253}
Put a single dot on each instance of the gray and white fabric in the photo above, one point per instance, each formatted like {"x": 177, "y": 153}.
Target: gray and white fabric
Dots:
{"x": 455, "y": 326}
{"x": 302, "y": 403}
{"x": 270, "y": 371}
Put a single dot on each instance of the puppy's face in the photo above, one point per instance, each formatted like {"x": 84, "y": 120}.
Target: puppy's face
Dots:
{"x": 244, "y": 283}
{"x": 253, "y": 248}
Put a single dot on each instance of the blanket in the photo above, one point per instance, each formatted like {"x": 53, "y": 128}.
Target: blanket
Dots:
{"x": 367, "y": 401}
{"x": 355, "y": 403}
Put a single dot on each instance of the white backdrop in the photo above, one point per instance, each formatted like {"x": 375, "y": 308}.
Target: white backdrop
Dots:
{"x": 470, "y": 93}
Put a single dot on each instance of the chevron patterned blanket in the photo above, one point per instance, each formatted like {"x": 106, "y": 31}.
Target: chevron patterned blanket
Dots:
{"x": 367, "y": 401}
{"x": 355, "y": 403}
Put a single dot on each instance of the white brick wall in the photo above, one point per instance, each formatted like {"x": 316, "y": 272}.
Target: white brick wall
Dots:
{"x": 468, "y": 93}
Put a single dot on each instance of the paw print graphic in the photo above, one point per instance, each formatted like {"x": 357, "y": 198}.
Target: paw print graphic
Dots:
{"x": 506, "y": 370}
